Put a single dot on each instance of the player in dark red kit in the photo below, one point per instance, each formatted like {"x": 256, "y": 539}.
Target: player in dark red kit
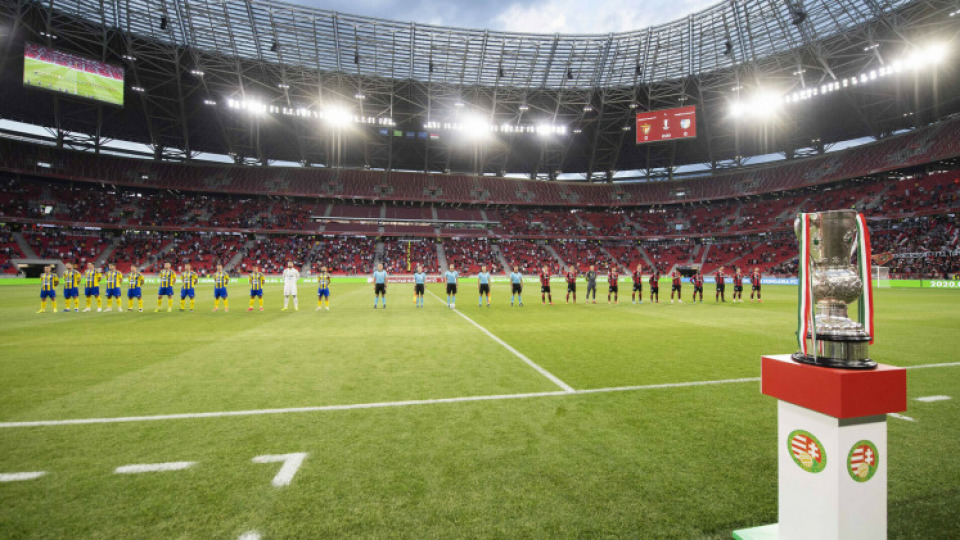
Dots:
{"x": 613, "y": 284}
{"x": 755, "y": 284}
{"x": 638, "y": 284}
{"x": 738, "y": 286}
{"x": 571, "y": 276}
{"x": 545, "y": 286}
{"x": 697, "y": 281}
{"x": 676, "y": 286}
{"x": 655, "y": 285}
{"x": 720, "y": 278}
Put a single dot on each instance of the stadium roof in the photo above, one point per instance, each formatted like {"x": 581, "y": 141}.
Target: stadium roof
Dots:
{"x": 296, "y": 36}
{"x": 188, "y": 61}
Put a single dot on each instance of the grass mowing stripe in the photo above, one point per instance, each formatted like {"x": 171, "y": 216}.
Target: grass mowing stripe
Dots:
{"x": 406, "y": 403}
{"x": 385, "y": 404}
{"x": 553, "y": 378}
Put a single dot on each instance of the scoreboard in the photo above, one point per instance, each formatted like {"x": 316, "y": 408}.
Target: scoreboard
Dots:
{"x": 667, "y": 125}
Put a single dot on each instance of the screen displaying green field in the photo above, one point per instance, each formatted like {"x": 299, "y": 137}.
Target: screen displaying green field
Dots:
{"x": 68, "y": 73}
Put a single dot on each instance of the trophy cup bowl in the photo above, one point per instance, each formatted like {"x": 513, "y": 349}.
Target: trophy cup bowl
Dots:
{"x": 841, "y": 341}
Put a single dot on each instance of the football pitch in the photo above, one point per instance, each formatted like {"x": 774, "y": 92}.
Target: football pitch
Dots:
{"x": 72, "y": 81}
{"x": 535, "y": 422}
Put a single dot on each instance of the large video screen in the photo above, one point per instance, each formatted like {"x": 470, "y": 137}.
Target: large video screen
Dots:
{"x": 68, "y": 73}
{"x": 667, "y": 125}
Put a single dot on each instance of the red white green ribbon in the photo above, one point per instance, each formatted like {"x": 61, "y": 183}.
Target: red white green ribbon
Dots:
{"x": 865, "y": 269}
{"x": 805, "y": 313}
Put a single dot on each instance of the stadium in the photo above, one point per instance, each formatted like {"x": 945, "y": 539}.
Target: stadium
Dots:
{"x": 271, "y": 148}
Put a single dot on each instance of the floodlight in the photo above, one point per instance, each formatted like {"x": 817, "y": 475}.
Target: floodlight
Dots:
{"x": 476, "y": 127}
{"x": 337, "y": 116}
{"x": 936, "y": 53}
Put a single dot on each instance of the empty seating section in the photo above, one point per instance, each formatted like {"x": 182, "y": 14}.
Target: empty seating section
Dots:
{"x": 418, "y": 213}
{"x": 68, "y": 245}
{"x": 627, "y": 256}
{"x": 580, "y": 254}
{"x": 140, "y": 249}
{"x": 343, "y": 255}
{"x": 468, "y": 254}
{"x": 666, "y": 256}
{"x": 528, "y": 255}
{"x": 355, "y": 211}
{"x": 403, "y": 256}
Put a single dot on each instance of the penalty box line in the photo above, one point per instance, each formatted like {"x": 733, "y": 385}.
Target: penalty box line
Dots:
{"x": 390, "y": 404}
{"x": 553, "y": 378}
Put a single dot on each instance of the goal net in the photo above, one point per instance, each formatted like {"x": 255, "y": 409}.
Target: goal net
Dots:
{"x": 881, "y": 276}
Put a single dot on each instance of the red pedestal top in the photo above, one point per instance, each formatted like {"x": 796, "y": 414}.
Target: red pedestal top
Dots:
{"x": 841, "y": 393}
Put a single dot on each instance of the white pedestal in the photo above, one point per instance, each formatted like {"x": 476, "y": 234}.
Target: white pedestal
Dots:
{"x": 842, "y": 496}
{"x": 831, "y": 449}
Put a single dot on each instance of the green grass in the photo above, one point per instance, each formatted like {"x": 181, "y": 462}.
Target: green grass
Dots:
{"x": 670, "y": 462}
{"x": 72, "y": 81}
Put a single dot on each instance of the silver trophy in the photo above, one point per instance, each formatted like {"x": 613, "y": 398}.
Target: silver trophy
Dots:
{"x": 841, "y": 342}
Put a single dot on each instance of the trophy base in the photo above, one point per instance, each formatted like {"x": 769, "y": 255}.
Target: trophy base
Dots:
{"x": 833, "y": 362}
{"x": 843, "y": 352}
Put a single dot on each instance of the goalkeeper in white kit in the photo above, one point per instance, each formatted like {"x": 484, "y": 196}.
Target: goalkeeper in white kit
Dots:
{"x": 290, "y": 277}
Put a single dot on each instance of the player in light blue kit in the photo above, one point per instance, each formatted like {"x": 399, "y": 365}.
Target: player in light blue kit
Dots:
{"x": 419, "y": 284}
{"x": 483, "y": 283}
{"x": 516, "y": 285}
{"x": 380, "y": 286}
{"x": 451, "y": 277}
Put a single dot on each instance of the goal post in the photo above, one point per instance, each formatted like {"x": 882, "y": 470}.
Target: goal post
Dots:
{"x": 881, "y": 276}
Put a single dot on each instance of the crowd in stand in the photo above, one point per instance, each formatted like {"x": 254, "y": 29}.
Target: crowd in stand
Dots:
{"x": 921, "y": 247}
{"x": 208, "y": 228}
{"x": 404, "y": 256}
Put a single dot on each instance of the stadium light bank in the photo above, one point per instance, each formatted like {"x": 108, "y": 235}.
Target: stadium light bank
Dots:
{"x": 335, "y": 116}
{"x": 767, "y": 104}
{"x": 474, "y": 126}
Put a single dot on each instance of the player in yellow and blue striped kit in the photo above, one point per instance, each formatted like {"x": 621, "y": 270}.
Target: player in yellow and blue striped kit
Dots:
{"x": 71, "y": 288}
{"x": 114, "y": 282}
{"x": 48, "y": 289}
{"x": 135, "y": 279}
{"x": 91, "y": 280}
{"x": 323, "y": 292}
{"x": 220, "y": 280}
{"x": 189, "y": 280}
{"x": 167, "y": 278}
{"x": 256, "y": 287}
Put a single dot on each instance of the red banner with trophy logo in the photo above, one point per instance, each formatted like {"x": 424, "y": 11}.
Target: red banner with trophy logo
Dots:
{"x": 667, "y": 125}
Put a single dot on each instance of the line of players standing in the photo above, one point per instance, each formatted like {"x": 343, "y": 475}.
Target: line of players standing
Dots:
{"x": 92, "y": 276}
{"x": 613, "y": 290}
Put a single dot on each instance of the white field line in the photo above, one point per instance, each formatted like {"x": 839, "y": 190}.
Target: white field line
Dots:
{"x": 378, "y": 405}
{"x": 291, "y": 464}
{"x": 249, "y": 535}
{"x": 553, "y": 378}
{"x": 927, "y": 399}
{"x": 154, "y": 467}
{"x": 20, "y": 476}
{"x": 928, "y": 366}
{"x": 388, "y": 404}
